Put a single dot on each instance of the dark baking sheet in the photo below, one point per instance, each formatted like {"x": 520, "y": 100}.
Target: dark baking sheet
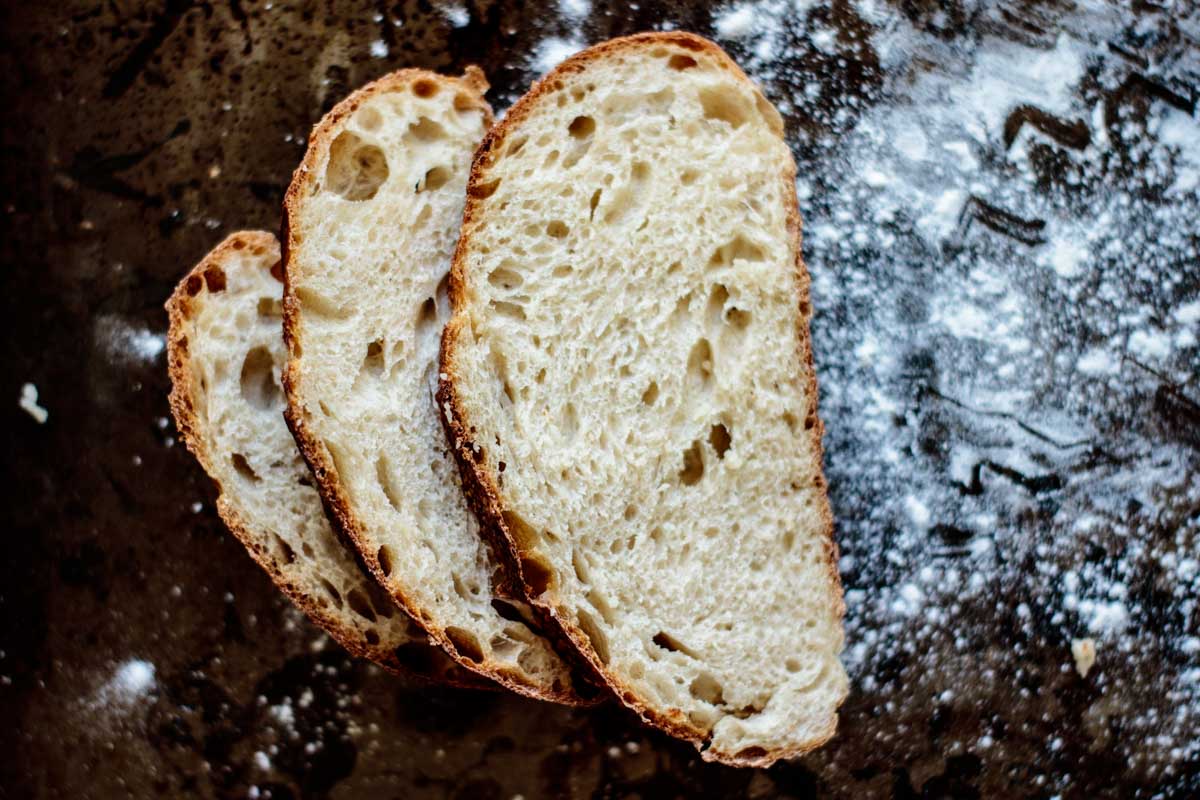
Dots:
{"x": 1001, "y": 218}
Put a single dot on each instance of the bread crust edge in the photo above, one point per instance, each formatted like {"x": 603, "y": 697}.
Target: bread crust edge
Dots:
{"x": 481, "y": 486}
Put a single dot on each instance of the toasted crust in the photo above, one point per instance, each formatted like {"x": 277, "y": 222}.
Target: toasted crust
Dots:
{"x": 180, "y": 307}
{"x": 333, "y": 493}
{"x": 480, "y": 484}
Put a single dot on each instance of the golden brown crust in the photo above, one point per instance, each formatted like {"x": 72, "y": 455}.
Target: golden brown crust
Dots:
{"x": 337, "y": 502}
{"x": 478, "y": 482}
{"x": 183, "y": 400}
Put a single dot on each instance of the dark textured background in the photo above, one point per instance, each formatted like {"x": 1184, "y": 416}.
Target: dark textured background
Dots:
{"x": 136, "y": 135}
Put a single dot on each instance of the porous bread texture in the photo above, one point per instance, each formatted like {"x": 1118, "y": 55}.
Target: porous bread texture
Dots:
{"x": 371, "y": 220}
{"x": 225, "y": 351}
{"x": 628, "y": 381}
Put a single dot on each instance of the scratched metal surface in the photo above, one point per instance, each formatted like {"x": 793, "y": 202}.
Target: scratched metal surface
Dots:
{"x": 138, "y": 134}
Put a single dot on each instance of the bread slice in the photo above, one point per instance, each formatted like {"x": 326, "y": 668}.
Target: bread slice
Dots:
{"x": 225, "y": 351}
{"x": 371, "y": 219}
{"x": 628, "y": 381}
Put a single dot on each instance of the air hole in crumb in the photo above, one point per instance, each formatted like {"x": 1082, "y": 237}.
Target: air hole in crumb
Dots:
{"x": 738, "y": 318}
{"x": 725, "y": 105}
{"x": 383, "y": 474}
{"x": 791, "y": 665}
{"x": 539, "y": 577}
{"x": 515, "y": 145}
{"x": 373, "y": 362}
{"x": 524, "y": 535}
{"x": 737, "y": 249}
{"x": 277, "y": 271}
{"x": 258, "y": 380}
{"x": 700, "y": 365}
{"x": 434, "y": 179}
{"x": 427, "y": 318}
{"x": 630, "y": 512}
{"x": 332, "y": 591}
{"x": 720, "y": 439}
{"x": 789, "y": 540}
{"x": 581, "y": 570}
{"x": 581, "y": 127}
{"x": 556, "y": 229}
{"x": 385, "y": 560}
{"x": 681, "y": 62}
{"x": 504, "y": 277}
{"x": 465, "y": 643}
{"x": 360, "y": 605}
{"x": 688, "y": 177}
{"x": 790, "y": 419}
{"x": 706, "y": 688}
{"x": 319, "y": 304}
{"x": 244, "y": 469}
{"x": 484, "y": 190}
{"x": 668, "y": 642}
{"x": 371, "y": 636}
{"x": 595, "y": 201}
{"x": 369, "y": 119}
{"x": 270, "y": 307}
{"x": 651, "y": 393}
{"x": 693, "y": 466}
{"x": 425, "y": 88}
{"x": 214, "y": 279}
{"x": 426, "y": 130}
{"x": 464, "y": 591}
{"x": 717, "y": 298}
{"x": 286, "y": 553}
{"x": 592, "y": 631}
{"x": 810, "y": 422}
{"x": 570, "y": 421}
{"x": 507, "y": 610}
{"x": 355, "y": 170}
{"x": 504, "y": 308}
{"x": 464, "y": 102}
{"x": 194, "y": 284}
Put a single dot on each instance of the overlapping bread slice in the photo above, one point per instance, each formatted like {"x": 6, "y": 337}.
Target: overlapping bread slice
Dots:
{"x": 628, "y": 380}
{"x": 371, "y": 220}
{"x": 225, "y": 351}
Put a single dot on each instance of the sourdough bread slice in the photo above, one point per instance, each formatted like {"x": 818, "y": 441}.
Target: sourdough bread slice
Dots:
{"x": 627, "y": 379}
{"x": 371, "y": 219}
{"x": 225, "y": 352}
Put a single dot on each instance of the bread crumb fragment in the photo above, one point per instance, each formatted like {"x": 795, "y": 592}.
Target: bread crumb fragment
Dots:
{"x": 29, "y": 402}
{"x": 1084, "y": 651}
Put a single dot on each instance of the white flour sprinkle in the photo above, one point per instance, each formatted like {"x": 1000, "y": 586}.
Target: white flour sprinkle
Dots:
{"x": 130, "y": 684}
{"x": 456, "y": 14}
{"x": 29, "y": 404}
{"x": 553, "y": 51}
{"x": 574, "y": 9}
{"x": 124, "y": 341}
{"x": 379, "y": 49}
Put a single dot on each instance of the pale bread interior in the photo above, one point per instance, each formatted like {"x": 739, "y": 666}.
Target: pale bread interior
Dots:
{"x": 629, "y": 361}
{"x": 226, "y": 349}
{"x": 373, "y": 216}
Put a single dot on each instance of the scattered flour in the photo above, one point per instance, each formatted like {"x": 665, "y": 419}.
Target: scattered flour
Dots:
{"x": 130, "y": 684}
{"x": 379, "y": 49}
{"x": 574, "y": 9}
{"x": 553, "y": 51}
{"x": 125, "y": 342}
{"x": 457, "y": 14}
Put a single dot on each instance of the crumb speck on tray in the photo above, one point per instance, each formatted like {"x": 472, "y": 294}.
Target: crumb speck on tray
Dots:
{"x": 29, "y": 404}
